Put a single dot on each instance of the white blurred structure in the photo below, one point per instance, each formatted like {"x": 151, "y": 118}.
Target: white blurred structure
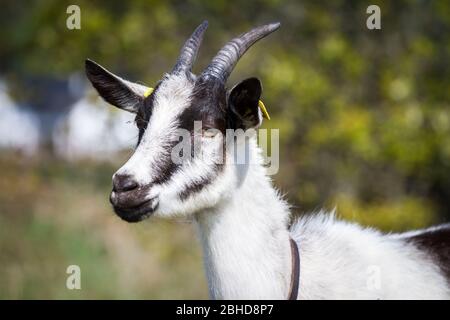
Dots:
{"x": 19, "y": 128}
{"x": 94, "y": 130}
{"x": 91, "y": 129}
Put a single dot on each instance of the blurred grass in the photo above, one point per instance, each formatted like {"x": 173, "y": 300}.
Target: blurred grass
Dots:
{"x": 55, "y": 216}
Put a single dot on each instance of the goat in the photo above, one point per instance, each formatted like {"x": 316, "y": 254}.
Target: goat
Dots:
{"x": 248, "y": 246}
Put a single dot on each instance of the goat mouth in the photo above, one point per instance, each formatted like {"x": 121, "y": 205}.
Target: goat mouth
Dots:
{"x": 137, "y": 213}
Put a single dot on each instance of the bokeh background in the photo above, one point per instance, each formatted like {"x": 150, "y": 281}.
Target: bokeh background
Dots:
{"x": 364, "y": 119}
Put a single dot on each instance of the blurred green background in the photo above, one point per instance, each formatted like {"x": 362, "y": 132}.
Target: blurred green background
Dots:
{"x": 364, "y": 119}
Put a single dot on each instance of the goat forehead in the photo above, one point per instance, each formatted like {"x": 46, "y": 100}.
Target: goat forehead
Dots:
{"x": 178, "y": 101}
{"x": 171, "y": 98}
{"x": 207, "y": 105}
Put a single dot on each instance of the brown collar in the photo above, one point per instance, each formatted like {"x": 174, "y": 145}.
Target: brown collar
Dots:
{"x": 295, "y": 274}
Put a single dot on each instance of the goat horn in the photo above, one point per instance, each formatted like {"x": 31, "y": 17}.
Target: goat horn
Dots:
{"x": 190, "y": 48}
{"x": 225, "y": 60}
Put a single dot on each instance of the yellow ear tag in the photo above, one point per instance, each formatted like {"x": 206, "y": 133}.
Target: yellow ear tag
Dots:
{"x": 148, "y": 92}
{"x": 263, "y": 110}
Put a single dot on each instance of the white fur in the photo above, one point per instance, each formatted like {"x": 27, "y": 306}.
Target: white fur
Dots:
{"x": 247, "y": 252}
{"x": 337, "y": 258}
{"x": 245, "y": 238}
{"x": 172, "y": 97}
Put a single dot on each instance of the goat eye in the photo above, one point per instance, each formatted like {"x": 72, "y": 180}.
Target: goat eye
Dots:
{"x": 209, "y": 133}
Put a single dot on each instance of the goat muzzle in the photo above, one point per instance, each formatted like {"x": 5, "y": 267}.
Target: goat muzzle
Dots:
{"x": 133, "y": 205}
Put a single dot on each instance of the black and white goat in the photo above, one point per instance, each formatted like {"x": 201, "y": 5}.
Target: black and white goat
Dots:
{"x": 242, "y": 220}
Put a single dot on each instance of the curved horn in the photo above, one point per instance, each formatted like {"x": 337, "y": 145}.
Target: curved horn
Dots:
{"x": 190, "y": 48}
{"x": 225, "y": 60}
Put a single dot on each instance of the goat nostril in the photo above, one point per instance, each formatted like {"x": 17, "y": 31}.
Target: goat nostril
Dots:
{"x": 129, "y": 185}
{"x": 122, "y": 183}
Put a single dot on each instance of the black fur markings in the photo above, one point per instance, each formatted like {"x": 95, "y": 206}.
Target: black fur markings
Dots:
{"x": 199, "y": 185}
{"x": 112, "y": 89}
{"x": 145, "y": 112}
{"x": 243, "y": 101}
{"x": 194, "y": 187}
{"x": 436, "y": 242}
{"x": 207, "y": 105}
{"x": 164, "y": 167}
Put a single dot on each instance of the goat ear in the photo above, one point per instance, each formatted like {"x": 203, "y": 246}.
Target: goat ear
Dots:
{"x": 121, "y": 93}
{"x": 243, "y": 102}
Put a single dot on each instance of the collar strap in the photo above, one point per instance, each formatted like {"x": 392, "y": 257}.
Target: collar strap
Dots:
{"x": 295, "y": 273}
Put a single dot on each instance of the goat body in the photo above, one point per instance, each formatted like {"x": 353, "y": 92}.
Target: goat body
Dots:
{"x": 247, "y": 256}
